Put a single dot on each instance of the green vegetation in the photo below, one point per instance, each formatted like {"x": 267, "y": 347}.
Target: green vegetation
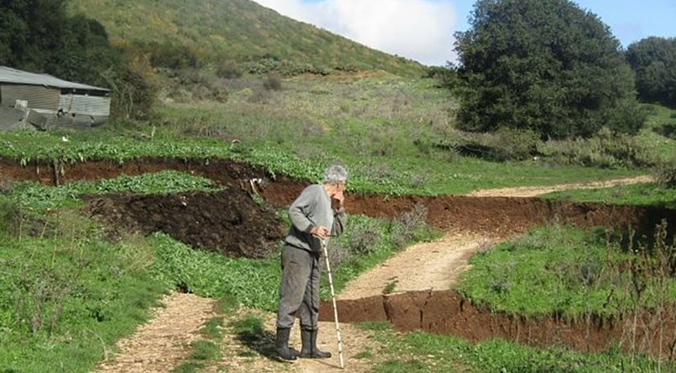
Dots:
{"x": 560, "y": 270}
{"x": 543, "y": 66}
{"x": 648, "y": 194}
{"x": 428, "y": 353}
{"x": 193, "y": 34}
{"x": 659, "y": 133}
{"x": 653, "y": 60}
{"x": 67, "y": 299}
{"x": 206, "y": 350}
{"x": 71, "y": 294}
{"x": 395, "y": 136}
{"x": 40, "y": 198}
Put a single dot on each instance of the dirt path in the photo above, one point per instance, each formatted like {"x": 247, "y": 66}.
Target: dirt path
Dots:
{"x": 426, "y": 266}
{"x": 159, "y": 345}
{"x": 539, "y": 190}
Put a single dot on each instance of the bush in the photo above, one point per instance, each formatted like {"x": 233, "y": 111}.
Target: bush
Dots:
{"x": 410, "y": 226}
{"x": 504, "y": 145}
{"x": 665, "y": 174}
{"x": 9, "y": 215}
{"x": 229, "y": 70}
{"x": 338, "y": 254}
{"x": 605, "y": 150}
{"x": 364, "y": 238}
{"x": 273, "y": 82}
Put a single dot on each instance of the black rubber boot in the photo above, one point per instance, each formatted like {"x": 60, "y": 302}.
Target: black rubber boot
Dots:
{"x": 310, "y": 350}
{"x": 282, "y": 345}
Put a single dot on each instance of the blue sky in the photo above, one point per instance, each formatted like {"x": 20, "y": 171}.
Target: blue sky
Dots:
{"x": 423, "y": 29}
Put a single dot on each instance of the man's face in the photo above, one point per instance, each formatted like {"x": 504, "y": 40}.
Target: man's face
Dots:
{"x": 339, "y": 189}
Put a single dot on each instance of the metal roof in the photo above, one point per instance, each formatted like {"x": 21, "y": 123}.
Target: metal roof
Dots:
{"x": 9, "y": 75}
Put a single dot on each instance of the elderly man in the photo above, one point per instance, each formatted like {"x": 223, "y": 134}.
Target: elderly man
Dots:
{"x": 313, "y": 219}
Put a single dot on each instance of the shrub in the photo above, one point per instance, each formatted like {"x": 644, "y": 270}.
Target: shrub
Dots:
{"x": 9, "y": 215}
{"x": 504, "y": 145}
{"x": 273, "y": 82}
{"x": 605, "y": 150}
{"x": 665, "y": 174}
{"x": 364, "y": 237}
{"x": 229, "y": 70}
{"x": 410, "y": 226}
{"x": 338, "y": 254}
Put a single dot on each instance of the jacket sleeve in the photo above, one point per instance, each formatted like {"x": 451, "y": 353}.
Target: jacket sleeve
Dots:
{"x": 339, "y": 221}
{"x": 300, "y": 208}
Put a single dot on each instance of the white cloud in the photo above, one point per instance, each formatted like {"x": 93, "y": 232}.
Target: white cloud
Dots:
{"x": 418, "y": 29}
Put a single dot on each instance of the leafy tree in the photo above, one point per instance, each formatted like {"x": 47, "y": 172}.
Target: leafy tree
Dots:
{"x": 654, "y": 61}
{"x": 545, "y": 66}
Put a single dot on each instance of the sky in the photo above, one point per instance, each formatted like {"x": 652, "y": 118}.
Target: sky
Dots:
{"x": 422, "y": 30}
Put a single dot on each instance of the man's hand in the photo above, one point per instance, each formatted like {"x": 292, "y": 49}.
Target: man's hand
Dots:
{"x": 339, "y": 199}
{"x": 320, "y": 232}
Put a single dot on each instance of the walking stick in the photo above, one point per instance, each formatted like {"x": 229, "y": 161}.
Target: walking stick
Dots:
{"x": 335, "y": 308}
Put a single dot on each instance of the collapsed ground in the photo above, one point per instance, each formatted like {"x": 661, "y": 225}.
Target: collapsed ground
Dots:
{"x": 236, "y": 222}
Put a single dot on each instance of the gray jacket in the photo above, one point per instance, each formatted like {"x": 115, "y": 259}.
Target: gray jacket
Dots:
{"x": 313, "y": 208}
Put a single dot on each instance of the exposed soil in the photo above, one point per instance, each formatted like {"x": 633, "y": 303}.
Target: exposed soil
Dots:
{"x": 161, "y": 344}
{"x": 448, "y": 312}
{"x": 229, "y": 222}
{"x": 425, "y": 266}
{"x": 521, "y": 192}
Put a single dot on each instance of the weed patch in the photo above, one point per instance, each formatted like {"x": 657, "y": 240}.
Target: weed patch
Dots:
{"x": 566, "y": 271}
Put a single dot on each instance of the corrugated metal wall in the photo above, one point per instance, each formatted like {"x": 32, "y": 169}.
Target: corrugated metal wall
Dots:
{"x": 37, "y": 97}
{"x": 90, "y": 105}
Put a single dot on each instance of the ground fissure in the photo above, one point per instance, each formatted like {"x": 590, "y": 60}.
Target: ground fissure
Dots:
{"x": 232, "y": 223}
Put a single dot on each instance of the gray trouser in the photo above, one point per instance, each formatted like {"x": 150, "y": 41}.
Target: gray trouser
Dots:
{"x": 299, "y": 290}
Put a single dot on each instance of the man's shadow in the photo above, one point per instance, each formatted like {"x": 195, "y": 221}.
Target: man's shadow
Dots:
{"x": 252, "y": 334}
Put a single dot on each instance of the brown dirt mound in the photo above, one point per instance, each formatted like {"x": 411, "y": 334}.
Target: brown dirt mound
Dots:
{"x": 228, "y": 222}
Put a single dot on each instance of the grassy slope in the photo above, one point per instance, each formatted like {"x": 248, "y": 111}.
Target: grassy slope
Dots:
{"x": 649, "y": 194}
{"x": 557, "y": 269}
{"x": 237, "y": 30}
{"x": 380, "y": 127}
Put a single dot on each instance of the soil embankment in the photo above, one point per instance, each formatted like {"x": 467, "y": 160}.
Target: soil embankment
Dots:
{"x": 189, "y": 216}
{"x": 448, "y": 312}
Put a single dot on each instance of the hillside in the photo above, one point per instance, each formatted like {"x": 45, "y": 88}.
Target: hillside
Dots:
{"x": 234, "y": 30}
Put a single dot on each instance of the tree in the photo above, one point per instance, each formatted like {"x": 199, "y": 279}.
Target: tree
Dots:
{"x": 545, "y": 66}
{"x": 654, "y": 61}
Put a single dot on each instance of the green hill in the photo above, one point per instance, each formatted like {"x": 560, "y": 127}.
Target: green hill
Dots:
{"x": 211, "y": 31}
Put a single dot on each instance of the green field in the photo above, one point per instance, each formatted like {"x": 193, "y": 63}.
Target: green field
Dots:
{"x": 395, "y": 135}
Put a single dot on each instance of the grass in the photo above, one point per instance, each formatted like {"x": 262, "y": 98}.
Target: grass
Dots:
{"x": 384, "y": 130}
{"x": 659, "y": 132}
{"x": 562, "y": 270}
{"x": 209, "y": 32}
{"x": 428, "y": 353}
{"x": 646, "y": 194}
{"x": 66, "y": 303}
{"x": 205, "y": 351}
{"x": 73, "y": 294}
{"x": 38, "y": 197}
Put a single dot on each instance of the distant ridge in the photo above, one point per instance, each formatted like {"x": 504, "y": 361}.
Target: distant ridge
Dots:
{"x": 234, "y": 30}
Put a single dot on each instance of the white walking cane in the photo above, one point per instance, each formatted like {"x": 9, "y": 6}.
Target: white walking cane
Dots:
{"x": 335, "y": 308}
